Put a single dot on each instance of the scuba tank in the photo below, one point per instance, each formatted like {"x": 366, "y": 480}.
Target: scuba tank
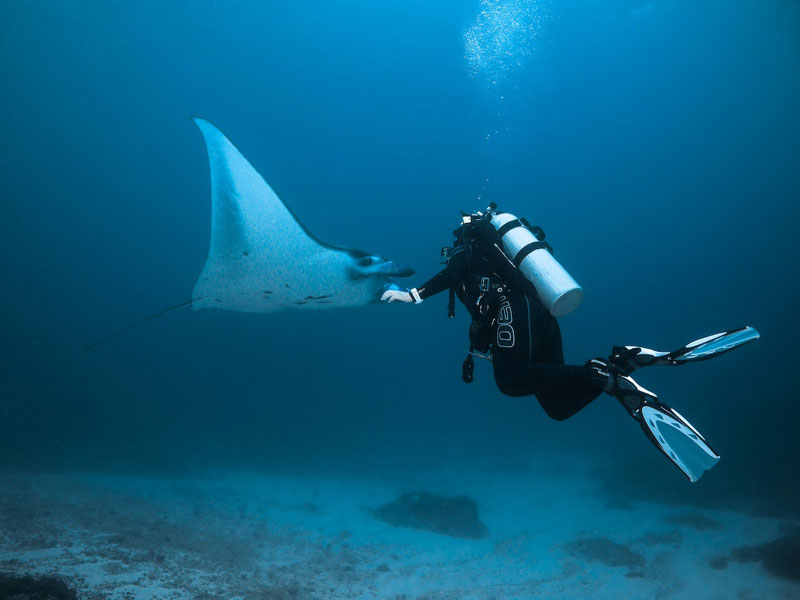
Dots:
{"x": 558, "y": 291}
{"x": 524, "y": 246}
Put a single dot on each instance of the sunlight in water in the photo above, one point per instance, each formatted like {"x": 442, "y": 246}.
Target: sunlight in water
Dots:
{"x": 502, "y": 37}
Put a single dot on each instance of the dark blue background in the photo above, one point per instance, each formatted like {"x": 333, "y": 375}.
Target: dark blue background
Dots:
{"x": 656, "y": 143}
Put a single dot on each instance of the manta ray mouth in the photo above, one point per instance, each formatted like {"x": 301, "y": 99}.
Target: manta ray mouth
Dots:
{"x": 394, "y": 270}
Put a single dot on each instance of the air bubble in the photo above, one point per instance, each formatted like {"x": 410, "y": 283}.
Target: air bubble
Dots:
{"x": 502, "y": 36}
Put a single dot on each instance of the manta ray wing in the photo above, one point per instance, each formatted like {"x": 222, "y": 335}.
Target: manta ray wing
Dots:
{"x": 261, "y": 258}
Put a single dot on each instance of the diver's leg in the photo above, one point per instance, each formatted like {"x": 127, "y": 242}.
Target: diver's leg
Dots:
{"x": 534, "y": 362}
{"x": 562, "y": 390}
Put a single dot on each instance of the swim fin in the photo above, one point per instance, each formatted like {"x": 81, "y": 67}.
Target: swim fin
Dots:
{"x": 677, "y": 439}
{"x": 629, "y": 358}
{"x": 666, "y": 428}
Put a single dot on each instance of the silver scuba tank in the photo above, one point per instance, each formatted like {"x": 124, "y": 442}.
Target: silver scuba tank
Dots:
{"x": 558, "y": 291}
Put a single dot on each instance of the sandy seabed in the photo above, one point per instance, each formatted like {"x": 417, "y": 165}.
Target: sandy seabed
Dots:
{"x": 231, "y": 536}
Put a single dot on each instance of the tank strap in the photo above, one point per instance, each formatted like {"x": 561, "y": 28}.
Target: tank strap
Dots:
{"x": 523, "y": 222}
{"x": 525, "y": 250}
{"x": 509, "y": 226}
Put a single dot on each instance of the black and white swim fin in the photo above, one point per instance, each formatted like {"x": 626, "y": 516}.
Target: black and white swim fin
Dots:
{"x": 666, "y": 428}
{"x": 677, "y": 439}
{"x": 629, "y": 358}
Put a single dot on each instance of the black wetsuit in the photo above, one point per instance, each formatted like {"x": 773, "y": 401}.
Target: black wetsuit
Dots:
{"x": 524, "y": 338}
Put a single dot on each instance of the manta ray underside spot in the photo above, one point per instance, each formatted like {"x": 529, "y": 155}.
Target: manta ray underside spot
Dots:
{"x": 262, "y": 259}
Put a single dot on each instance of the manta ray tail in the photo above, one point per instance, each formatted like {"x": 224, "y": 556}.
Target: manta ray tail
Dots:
{"x": 111, "y": 336}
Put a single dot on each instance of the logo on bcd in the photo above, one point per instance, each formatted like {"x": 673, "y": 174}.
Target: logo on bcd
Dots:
{"x": 505, "y": 332}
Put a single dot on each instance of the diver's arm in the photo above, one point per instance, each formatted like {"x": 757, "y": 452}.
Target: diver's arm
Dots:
{"x": 454, "y": 272}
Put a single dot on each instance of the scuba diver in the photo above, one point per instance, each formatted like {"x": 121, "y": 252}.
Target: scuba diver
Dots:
{"x": 504, "y": 273}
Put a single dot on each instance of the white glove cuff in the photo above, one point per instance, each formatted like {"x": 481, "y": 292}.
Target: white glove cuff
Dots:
{"x": 415, "y": 295}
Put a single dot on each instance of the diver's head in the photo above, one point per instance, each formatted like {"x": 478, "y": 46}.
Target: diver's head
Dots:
{"x": 471, "y": 222}
{"x": 478, "y": 215}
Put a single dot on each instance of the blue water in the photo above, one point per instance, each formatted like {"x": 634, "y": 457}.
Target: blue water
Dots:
{"x": 656, "y": 143}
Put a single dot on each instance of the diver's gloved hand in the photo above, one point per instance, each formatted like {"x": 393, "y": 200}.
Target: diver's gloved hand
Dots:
{"x": 394, "y": 294}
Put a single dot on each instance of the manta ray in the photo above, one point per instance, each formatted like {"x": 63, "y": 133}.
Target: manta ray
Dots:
{"x": 262, "y": 259}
